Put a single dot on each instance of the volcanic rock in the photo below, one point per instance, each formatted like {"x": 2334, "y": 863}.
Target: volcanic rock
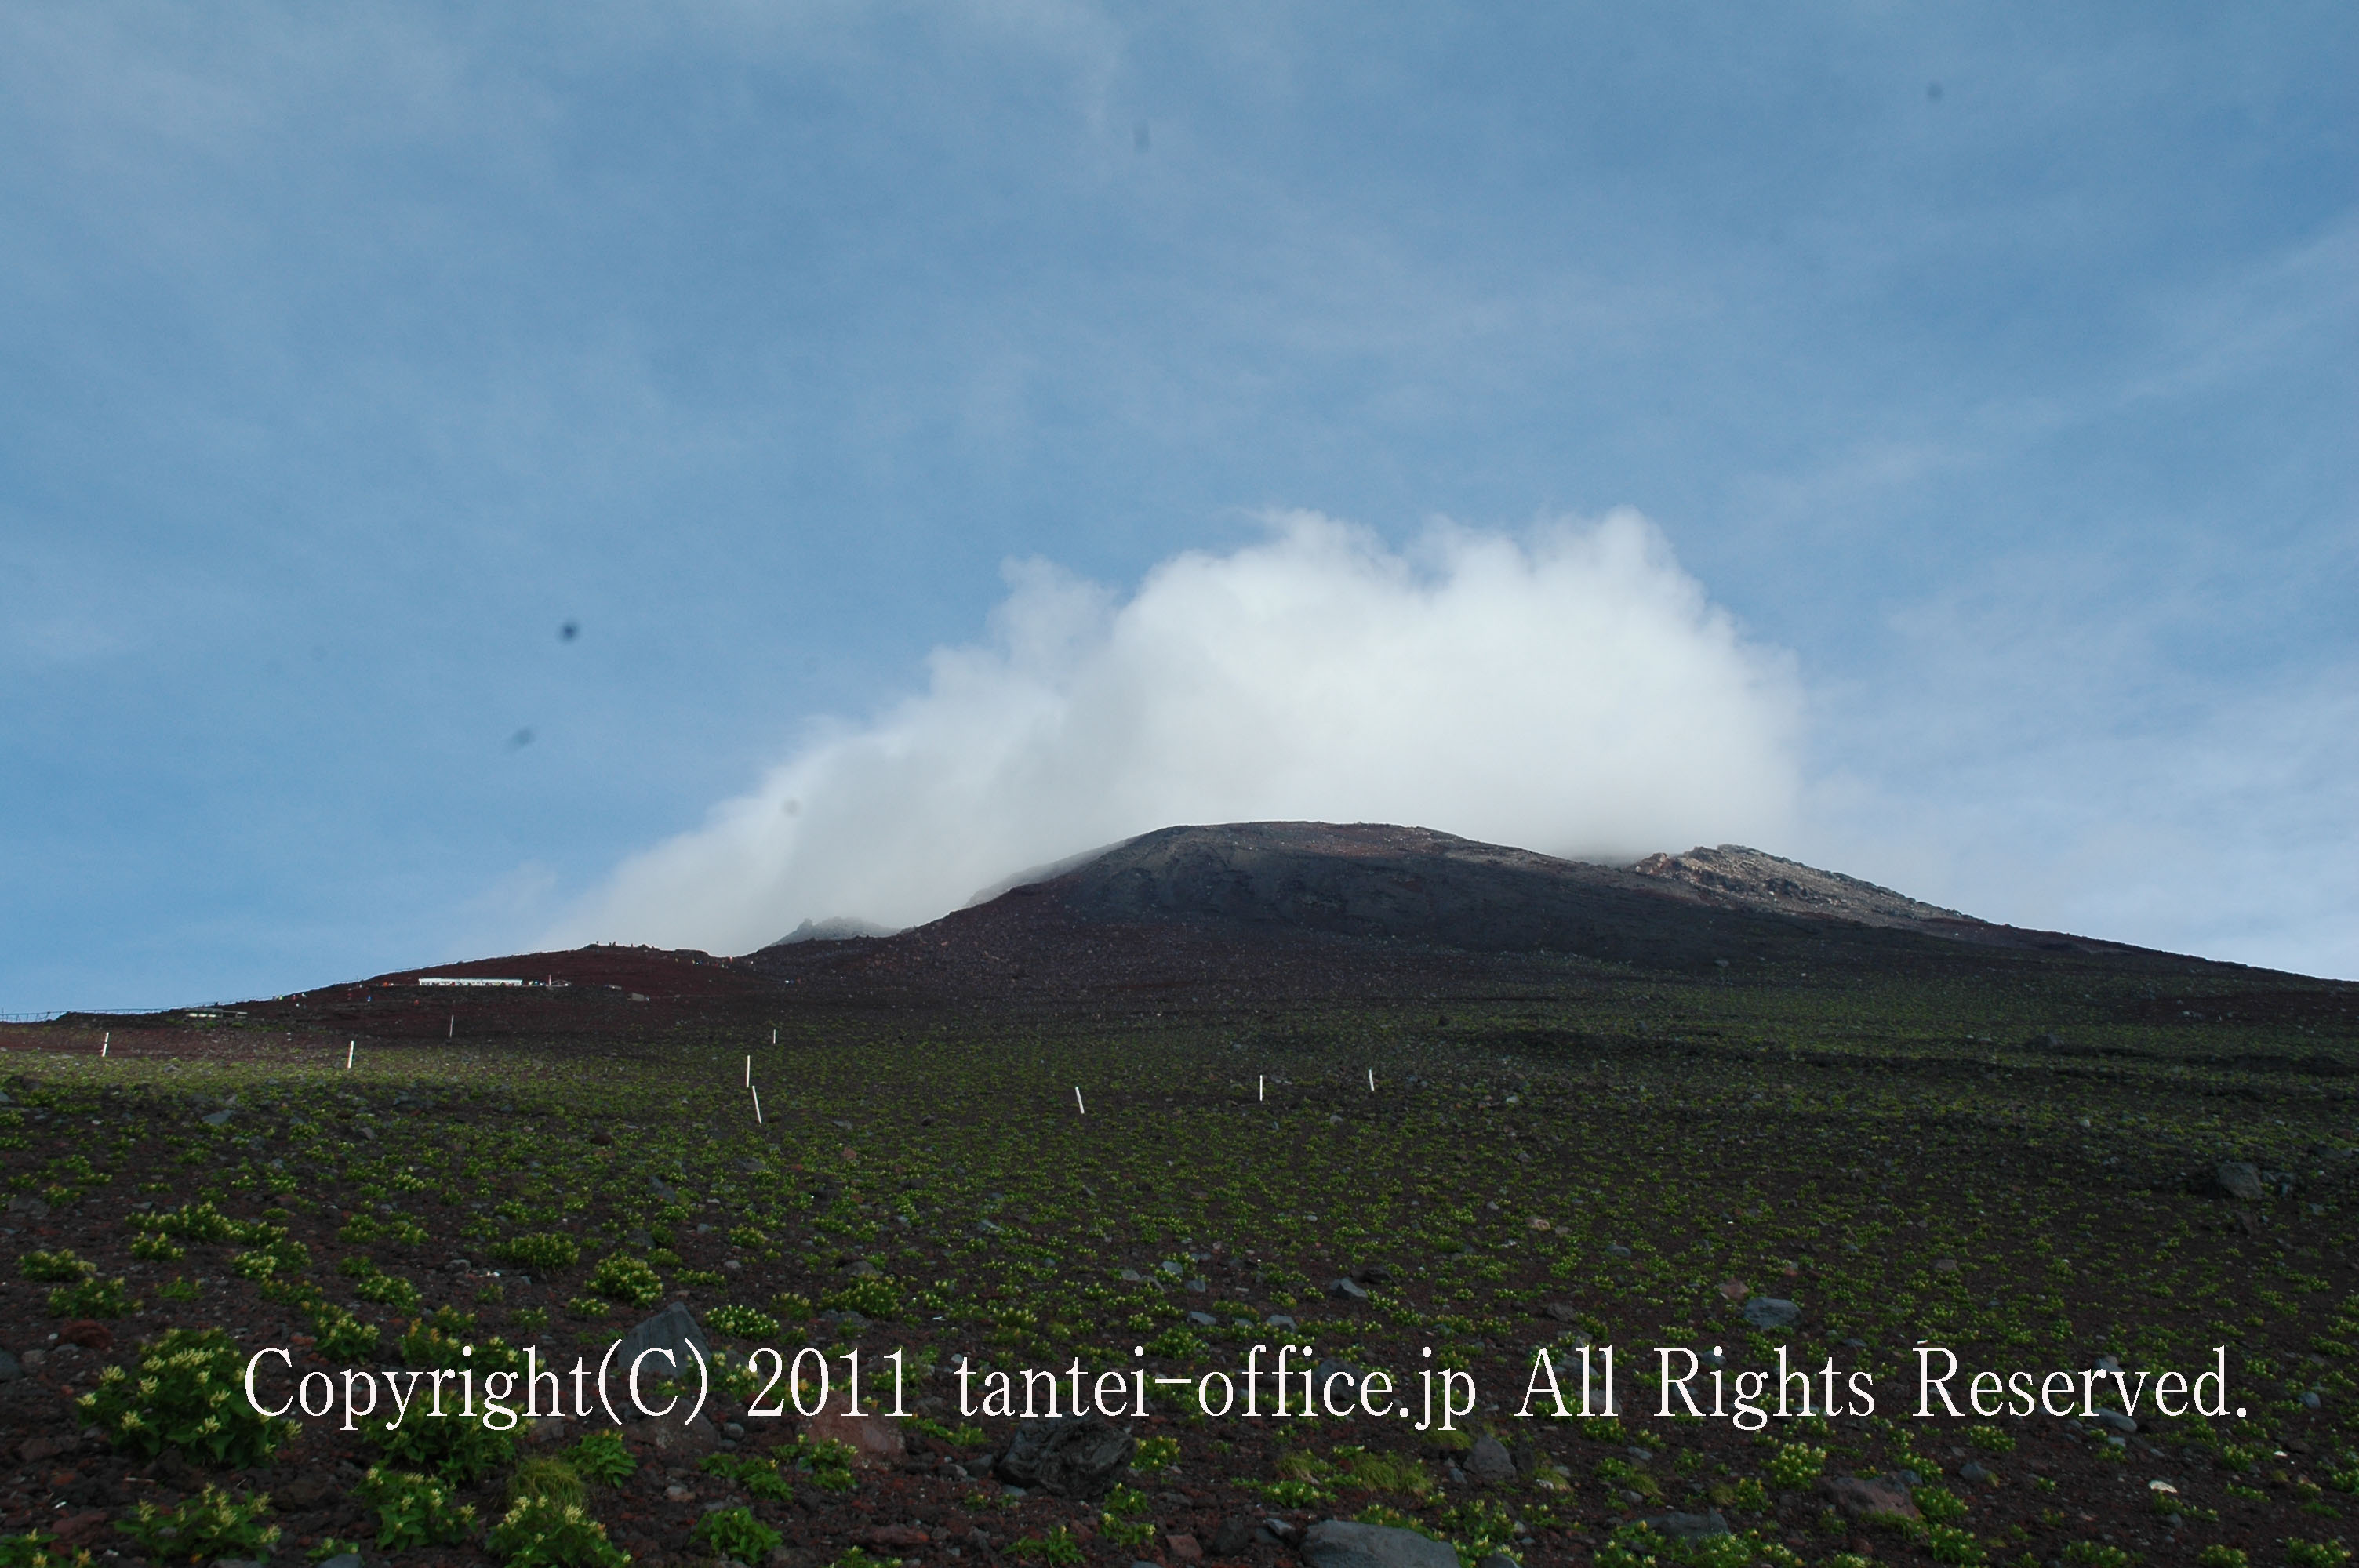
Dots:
{"x": 1078, "y": 1456}
{"x": 1339, "y": 1543}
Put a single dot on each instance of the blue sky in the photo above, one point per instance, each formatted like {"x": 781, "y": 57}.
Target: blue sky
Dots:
{"x": 1984, "y": 373}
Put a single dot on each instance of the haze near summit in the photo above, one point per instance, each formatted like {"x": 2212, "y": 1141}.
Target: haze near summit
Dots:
{"x": 1570, "y": 690}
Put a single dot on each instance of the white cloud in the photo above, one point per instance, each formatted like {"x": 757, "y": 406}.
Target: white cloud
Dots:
{"x": 1570, "y": 690}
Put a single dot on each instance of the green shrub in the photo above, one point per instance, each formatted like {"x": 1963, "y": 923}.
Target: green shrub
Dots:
{"x": 626, "y": 1279}
{"x": 455, "y": 1447}
{"x": 547, "y": 1251}
{"x": 1797, "y": 1465}
{"x": 94, "y": 1298}
{"x": 1156, "y": 1454}
{"x": 204, "y": 1528}
{"x": 192, "y": 1222}
{"x": 1990, "y": 1439}
{"x": 36, "y": 1549}
{"x": 736, "y": 1532}
{"x": 61, "y": 1266}
{"x": 2317, "y": 1553}
{"x": 442, "y": 1338}
{"x": 744, "y": 1322}
{"x": 189, "y": 1396}
{"x": 541, "y": 1532}
{"x": 874, "y": 1297}
{"x": 2091, "y": 1554}
{"x": 601, "y": 1458}
{"x": 588, "y": 1307}
{"x": 553, "y": 1479}
{"x": 2222, "y": 1557}
{"x": 154, "y": 1247}
{"x": 414, "y": 1509}
{"x": 1940, "y": 1505}
{"x": 341, "y": 1337}
{"x": 388, "y": 1290}
{"x": 827, "y": 1462}
{"x": 759, "y": 1477}
{"x": 1951, "y": 1545}
{"x": 1057, "y": 1547}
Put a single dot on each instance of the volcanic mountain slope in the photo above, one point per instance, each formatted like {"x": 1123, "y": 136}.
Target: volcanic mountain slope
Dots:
{"x": 1242, "y": 916}
{"x": 1295, "y": 910}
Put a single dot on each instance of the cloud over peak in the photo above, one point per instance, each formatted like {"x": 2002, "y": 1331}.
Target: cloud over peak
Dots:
{"x": 1568, "y": 689}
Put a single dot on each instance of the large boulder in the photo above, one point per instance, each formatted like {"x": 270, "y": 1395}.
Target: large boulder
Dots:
{"x": 1861, "y": 1499}
{"x": 1770, "y": 1311}
{"x": 2237, "y": 1179}
{"x": 1340, "y": 1543}
{"x": 674, "y": 1330}
{"x": 1077, "y": 1456}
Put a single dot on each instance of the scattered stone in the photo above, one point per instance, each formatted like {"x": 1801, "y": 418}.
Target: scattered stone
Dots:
{"x": 1770, "y": 1311}
{"x": 1690, "y": 1526}
{"x": 1869, "y": 1499}
{"x": 1184, "y": 1548}
{"x": 679, "y": 1443}
{"x": 343, "y": 1560}
{"x": 33, "y": 1359}
{"x": 877, "y": 1439}
{"x": 77, "y": 1527}
{"x": 1279, "y": 1531}
{"x": 220, "y": 1118}
{"x": 732, "y": 1431}
{"x": 906, "y": 1535}
{"x": 2234, "y": 1179}
{"x": 2107, "y": 1363}
{"x": 29, "y": 1207}
{"x": 2117, "y": 1420}
{"x": 1945, "y": 1265}
{"x": 1735, "y": 1290}
{"x": 1499, "y": 1559}
{"x": 1339, "y": 1543}
{"x": 306, "y": 1492}
{"x": 1972, "y": 1470}
{"x": 1347, "y": 1289}
{"x": 1078, "y": 1457}
{"x": 1131, "y": 1277}
{"x": 1203, "y": 1320}
{"x": 9, "y": 1368}
{"x": 1339, "y": 1379}
{"x": 1617, "y": 1249}
{"x": 2309, "y": 1399}
{"x": 1278, "y": 1319}
{"x": 88, "y": 1332}
{"x": 458, "y": 1266}
{"x": 678, "y": 1493}
{"x": 1235, "y": 1534}
{"x": 674, "y": 1331}
{"x": 1488, "y": 1462}
{"x": 548, "y": 1429}
{"x": 861, "y": 1268}
{"x": 1562, "y": 1312}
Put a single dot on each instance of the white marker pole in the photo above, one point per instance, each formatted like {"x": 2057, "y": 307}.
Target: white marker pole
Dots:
{"x": 350, "y": 1046}
{"x": 1077, "y": 1099}
{"x": 1372, "y": 1080}
{"x": 774, "y": 1037}
{"x": 749, "y": 1072}
{"x": 757, "y": 1104}
{"x": 107, "y": 1044}
{"x": 1261, "y": 1087}
{"x": 453, "y": 1032}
